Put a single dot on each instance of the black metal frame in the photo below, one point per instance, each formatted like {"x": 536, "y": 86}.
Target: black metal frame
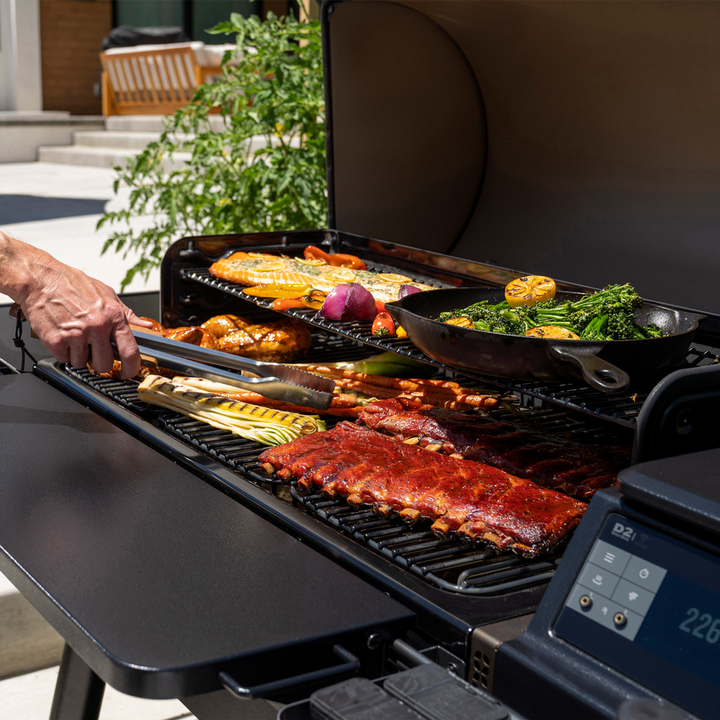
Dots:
{"x": 78, "y": 690}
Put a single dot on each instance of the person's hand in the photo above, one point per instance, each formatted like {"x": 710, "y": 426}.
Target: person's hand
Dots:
{"x": 75, "y": 316}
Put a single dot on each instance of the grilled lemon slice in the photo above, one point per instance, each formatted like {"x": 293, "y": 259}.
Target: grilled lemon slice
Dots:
{"x": 462, "y": 321}
{"x": 529, "y": 290}
{"x": 395, "y": 278}
{"x": 553, "y": 332}
{"x": 340, "y": 275}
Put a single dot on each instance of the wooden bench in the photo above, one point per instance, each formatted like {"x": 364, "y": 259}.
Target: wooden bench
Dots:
{"x": 152, "y": 80}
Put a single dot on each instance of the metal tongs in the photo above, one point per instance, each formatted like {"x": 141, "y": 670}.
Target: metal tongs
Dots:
{"x": 275, "y": 381}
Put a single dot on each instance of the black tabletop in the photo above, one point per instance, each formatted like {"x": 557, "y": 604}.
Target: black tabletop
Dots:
{"x": 155, "y": 578}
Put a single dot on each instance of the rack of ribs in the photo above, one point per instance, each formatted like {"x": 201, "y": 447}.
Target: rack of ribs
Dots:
{"x": 461, "y": 497}
{"x": 520, "y": 449}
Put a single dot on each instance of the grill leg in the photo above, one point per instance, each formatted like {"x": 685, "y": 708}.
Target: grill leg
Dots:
{"x": 78, "y": 691}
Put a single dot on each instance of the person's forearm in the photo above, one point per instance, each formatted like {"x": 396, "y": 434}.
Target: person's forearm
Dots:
{"x": 22, "y": 267}
{"x": 78, "y": 319}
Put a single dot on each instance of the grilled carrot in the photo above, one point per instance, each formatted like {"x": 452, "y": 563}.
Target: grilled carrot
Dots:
{"x": 382, "y": 380}
{"x": 377, "y": 391}
{"x": 340, "y": 401}
{"x": 455, "y": 402}
{"x": 455, "y": 398}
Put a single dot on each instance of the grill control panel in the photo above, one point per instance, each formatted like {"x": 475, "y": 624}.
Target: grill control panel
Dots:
{"x": 616, "y": 589}
{"x": 648, "y": 605}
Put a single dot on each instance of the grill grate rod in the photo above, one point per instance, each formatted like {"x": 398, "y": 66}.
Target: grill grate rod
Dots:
{"x": 489, "y": 566}
{"x": 451, "y": 564}
{"x": 621, "y": 409}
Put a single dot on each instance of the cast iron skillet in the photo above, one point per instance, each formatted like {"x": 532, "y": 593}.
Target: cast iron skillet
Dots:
{"x": 602, "y": 365}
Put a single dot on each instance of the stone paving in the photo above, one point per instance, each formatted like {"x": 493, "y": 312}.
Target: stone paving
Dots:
{"x": 56, "y": 207}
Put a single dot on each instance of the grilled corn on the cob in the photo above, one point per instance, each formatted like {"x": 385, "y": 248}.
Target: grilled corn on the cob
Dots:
{"x": 261, "y": 424}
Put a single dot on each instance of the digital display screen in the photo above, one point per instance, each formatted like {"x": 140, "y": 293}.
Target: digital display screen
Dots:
{"x": 683, "y": 625}
{"x": 649, "y": 606}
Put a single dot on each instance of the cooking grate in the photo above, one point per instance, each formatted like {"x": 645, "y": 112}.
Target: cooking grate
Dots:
{"x": 450, "y": 564}
{"x": 619, "y": 408}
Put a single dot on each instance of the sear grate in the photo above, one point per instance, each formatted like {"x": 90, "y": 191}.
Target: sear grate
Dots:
{"x": 620, "y": 408}
{"x": 450, "y": 564}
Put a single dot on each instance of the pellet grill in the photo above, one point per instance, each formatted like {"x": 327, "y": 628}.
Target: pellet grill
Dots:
{"x": 468, "y": 143}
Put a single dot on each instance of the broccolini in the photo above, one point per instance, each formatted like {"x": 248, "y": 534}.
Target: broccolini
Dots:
{"x": 605, "y": 315}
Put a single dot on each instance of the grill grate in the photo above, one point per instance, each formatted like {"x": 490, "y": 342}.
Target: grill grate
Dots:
{"x": 451, "y": 564}
{"x": 620, "y": 408}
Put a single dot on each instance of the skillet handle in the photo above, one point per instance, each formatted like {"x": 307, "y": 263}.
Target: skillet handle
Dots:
{"x": 596, "y": 372}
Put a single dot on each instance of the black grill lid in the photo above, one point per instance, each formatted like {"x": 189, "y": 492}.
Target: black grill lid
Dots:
{"x": 571, "y": 139}
{"x": 155, "y": 578}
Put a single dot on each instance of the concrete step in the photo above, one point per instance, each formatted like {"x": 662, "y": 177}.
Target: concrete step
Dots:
{"x": 150, "y": 123}
{"x": 136, "y": 123}
{"x": 123, "y": 140}
{"x": 114, "y": 139}
{"x": 27, "y": 642}
{"x": 124, "y": 137}
{"x": 92, "y": 156}
{"x": 99, "y": 156}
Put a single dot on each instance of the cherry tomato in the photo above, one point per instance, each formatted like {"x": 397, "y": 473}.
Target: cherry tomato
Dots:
{"x": 383, "y": 325}
{"x": 379, "y": 306}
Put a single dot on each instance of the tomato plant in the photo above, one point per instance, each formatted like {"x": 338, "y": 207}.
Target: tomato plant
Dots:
{"x": 263, "y": 171}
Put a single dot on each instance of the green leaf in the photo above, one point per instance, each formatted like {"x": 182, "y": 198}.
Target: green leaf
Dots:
{"x": 275, "y": 92}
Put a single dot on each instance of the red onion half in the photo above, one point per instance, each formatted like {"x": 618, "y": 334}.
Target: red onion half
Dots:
{"x": 408, "y": 290}
{"x": 348, "y": 302}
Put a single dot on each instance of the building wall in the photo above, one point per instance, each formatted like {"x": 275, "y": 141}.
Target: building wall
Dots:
{"x": 20, "y": 86}
{"x": 71, "y": 34}
{"x": 150, "y": 13}
{"x": 7, "y": 58}
{"x": 208, "y": 13}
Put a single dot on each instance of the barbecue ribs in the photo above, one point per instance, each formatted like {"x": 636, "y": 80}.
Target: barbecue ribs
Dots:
{"x": 465, "y": 498}
{"x": 523, "y": 450}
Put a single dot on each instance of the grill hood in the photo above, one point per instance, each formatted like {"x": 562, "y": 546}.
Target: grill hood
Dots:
{"x": 571, "y": 139}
